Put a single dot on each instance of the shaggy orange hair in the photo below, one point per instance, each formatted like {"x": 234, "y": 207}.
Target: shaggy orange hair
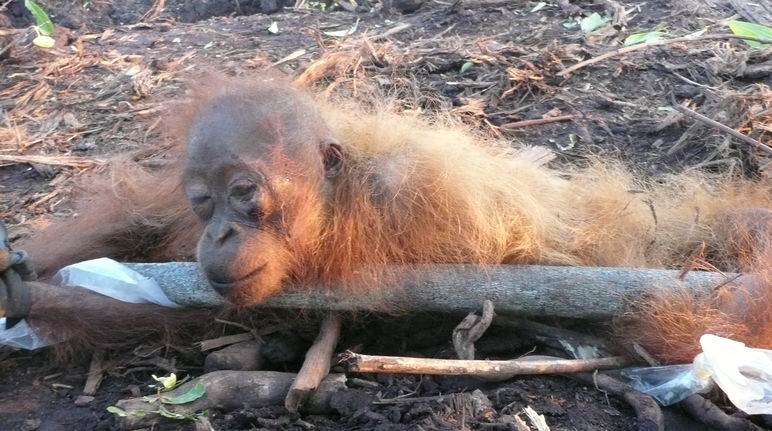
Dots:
{"x": 417, "y": 190}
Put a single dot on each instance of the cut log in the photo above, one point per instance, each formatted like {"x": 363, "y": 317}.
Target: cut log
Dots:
{"x": 528, "y": 290}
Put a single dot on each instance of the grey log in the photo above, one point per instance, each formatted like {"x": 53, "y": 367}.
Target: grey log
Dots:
{"x": 580, "y": 292}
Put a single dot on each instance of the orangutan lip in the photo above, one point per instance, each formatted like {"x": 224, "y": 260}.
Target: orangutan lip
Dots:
{"x": 252, "y": 274}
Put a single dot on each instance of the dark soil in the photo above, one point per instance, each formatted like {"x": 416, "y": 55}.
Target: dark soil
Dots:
{"x": 99, "y": 92}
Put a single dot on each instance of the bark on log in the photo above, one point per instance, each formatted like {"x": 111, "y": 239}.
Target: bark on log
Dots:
{"x": 579, "y": 292}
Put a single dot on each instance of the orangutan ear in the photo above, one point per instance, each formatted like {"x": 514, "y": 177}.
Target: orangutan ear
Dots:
{"x": 333, "y": 157}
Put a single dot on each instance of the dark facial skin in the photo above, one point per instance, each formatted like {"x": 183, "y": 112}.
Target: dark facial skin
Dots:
{"x": 251, "y": 170}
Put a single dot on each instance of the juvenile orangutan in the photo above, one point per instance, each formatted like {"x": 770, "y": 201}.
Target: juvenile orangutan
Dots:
{"x": 277, "y": 186}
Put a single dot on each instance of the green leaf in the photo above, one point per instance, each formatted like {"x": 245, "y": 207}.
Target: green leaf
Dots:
{"x": 197, "y": 391}
{"x": 171, "y": 415}
{"x": 592, "y": 22}
{"x": 150, "y": 398}
{"x": 539, "y": 6}
{"x": 117, "y": 411}
{"x": 42, "y": 20}
{"x": 742, "y": 28}
{"x": 637, "y": 38}
{"x": 466, "y": 67}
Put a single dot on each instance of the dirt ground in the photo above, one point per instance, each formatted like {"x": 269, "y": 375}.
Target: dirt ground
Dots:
{"x": 115, "y": 65}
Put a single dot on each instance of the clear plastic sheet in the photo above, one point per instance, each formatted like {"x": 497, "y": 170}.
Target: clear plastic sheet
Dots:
{"x": 743, "y": 373}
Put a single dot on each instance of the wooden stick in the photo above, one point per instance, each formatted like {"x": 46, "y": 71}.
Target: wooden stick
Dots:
{"x": 526, "y": 290}
{"x": 95, "y": 373}
{"x": 709, "y": 414}
{"x": 71, "y": 161}
{"x": 713, "y": 123}
{"x": 536, "y": 122}
{"x": 404, "y": 365}
{"x": 647, "y": 410}
{"x": 633, "y": 48}
{"x": 316, "y": 365}
{"x": 225, "y": 340}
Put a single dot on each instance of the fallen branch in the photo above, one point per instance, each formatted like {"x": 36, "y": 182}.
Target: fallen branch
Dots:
{"x": 482, "y": 368}
{"x": 713, "y": 123}
{"x": 536, "y": 122}
{"x": 229, "y": 390}
{"x": 71, "y": 161}
{"x": 706, "y": 412}
{"x": 466, "y": 333}
{"x": 647, "y": 410}
{"x": 633, "y": 48}
{"x": 316, "y": 365}
{"x": 528, "y": 290}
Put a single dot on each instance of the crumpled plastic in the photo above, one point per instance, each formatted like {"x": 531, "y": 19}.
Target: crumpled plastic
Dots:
{"x": 744, "y": 374}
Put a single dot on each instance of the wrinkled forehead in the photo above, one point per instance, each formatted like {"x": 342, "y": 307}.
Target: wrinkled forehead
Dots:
{"x": 253, "y": 123}
{"x": 271, "y": 131}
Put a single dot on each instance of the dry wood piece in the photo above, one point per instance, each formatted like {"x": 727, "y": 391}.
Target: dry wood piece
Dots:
{"x": 394, "y": 364}
{"x": 536, "y": 122}
{"x": 713, "y": 123}
{"x": 707, "y": 412}
{"x": 71, "y": 161}
{"x": 647, "y": 410}
{"x": 633, "y": 48}
{"x": 471, "y": 329}
{"x": 225, "y": 341}
{"x": 552, "y": 336}
{"x": 243, "y": 356}
{"x": 95, "y": 375}
{"x": 228, "y": 390}
{"x": 316, "y": 365}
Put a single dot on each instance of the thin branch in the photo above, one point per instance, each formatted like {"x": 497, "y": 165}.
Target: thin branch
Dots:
{"x": 481, "y": 368}
{"x": 633, "y": 48}
{"x": 536, "y": 122}
{"x": 316, "y": 365}
{"x": 713, "y": 123}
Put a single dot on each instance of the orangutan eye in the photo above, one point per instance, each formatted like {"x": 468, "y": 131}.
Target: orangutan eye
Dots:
{"x": 200, "y": 199}
{"x": 243, "y": 191}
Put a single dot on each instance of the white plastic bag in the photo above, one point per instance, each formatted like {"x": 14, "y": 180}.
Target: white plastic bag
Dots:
{"x": 104, "y": 276}
{"x": 112, "y": 279}
{"x": 743, "y": 373}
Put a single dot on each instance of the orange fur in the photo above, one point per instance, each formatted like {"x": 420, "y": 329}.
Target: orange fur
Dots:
{"x": 416, "y": 190}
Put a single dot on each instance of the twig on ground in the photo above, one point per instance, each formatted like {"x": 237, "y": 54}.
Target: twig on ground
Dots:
{"x": 71, "y": 161}
{"x": 154, "y": 11}
{"x": 633, "y": 48}
{"x": 552, "y": 336}
{"x": 471, "y": 329}
{"x": 536, "y": 122}
{"x": 481, "y": 368}
{"x": 647, "y": 410}
{"x": 224, "y": 341}
{"x": 713, "y": 123}
{"x": 706, "y": 412}
{"x": 316, "y": 365}
{"x": 95, "y": 375}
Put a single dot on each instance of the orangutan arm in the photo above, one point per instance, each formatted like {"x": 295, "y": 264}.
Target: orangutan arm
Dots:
{"x": 130, "y": 214}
